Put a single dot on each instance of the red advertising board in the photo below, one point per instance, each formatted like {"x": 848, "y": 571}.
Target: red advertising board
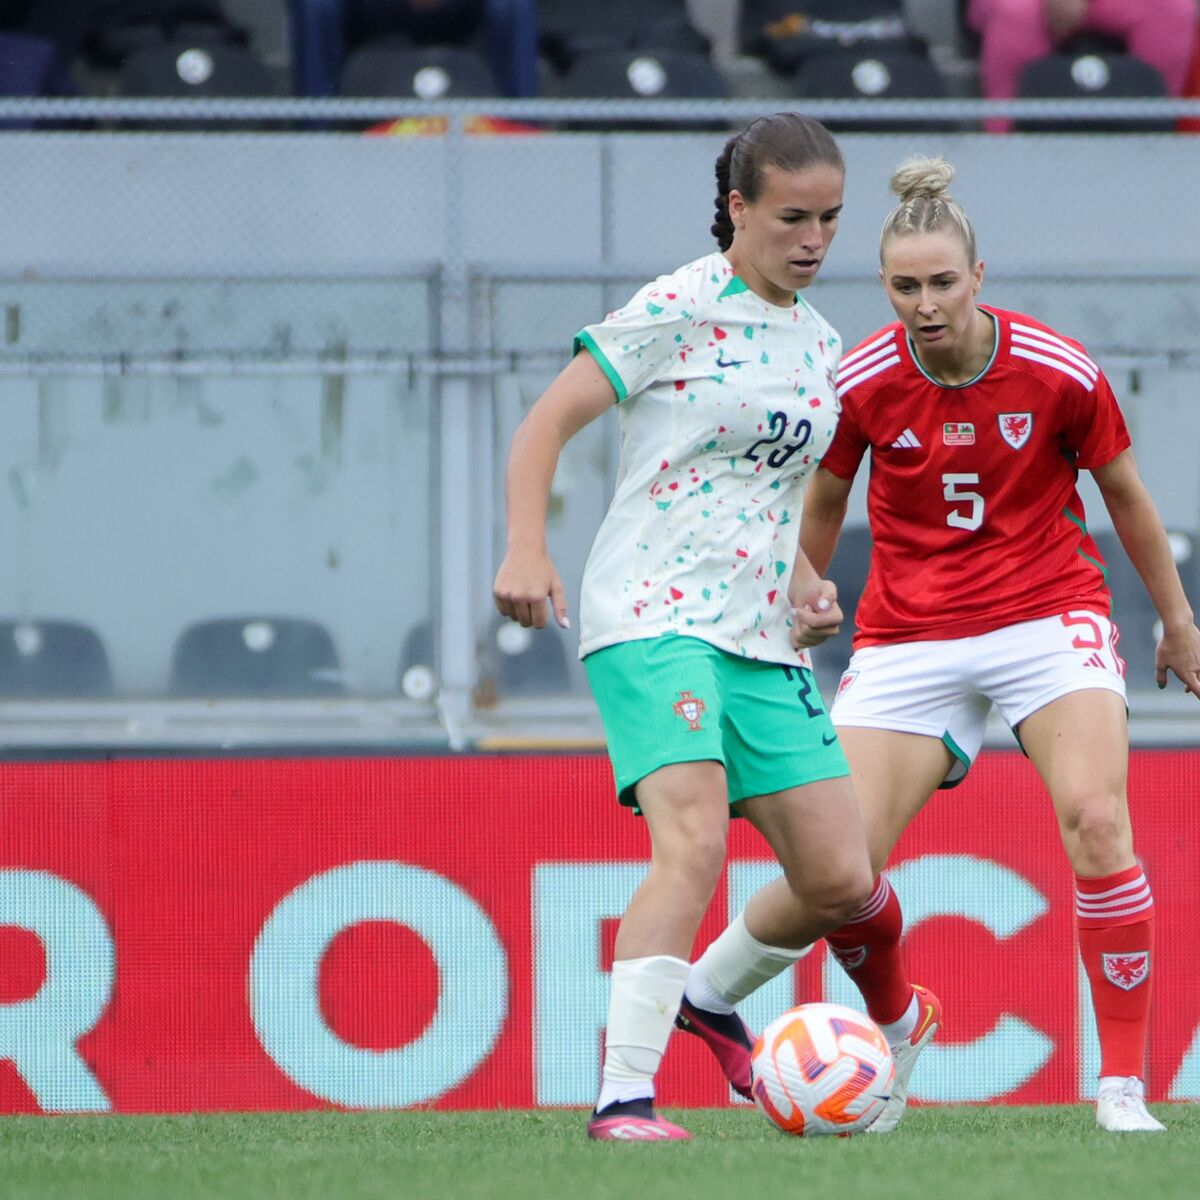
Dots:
{"x": 288, "y": 934}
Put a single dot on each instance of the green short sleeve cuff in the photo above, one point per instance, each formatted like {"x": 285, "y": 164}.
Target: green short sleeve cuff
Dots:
{"x": 585, "y": 341}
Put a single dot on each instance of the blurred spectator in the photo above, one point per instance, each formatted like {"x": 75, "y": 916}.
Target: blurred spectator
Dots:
{"x": 425, "y": 22}
{"x": 34, "y": 56}
{"x": 325, "y": 32}
{"x": 1014, "y": 33}
{"x": 39, "y": 39}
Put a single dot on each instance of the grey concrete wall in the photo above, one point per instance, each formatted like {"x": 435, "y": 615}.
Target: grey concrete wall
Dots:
{"x": 139, "y": 505}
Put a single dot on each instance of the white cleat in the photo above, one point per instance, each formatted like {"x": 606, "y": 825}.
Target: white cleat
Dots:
{"x": 1121, "y": 1108}
{"x": 905, "y": 1055}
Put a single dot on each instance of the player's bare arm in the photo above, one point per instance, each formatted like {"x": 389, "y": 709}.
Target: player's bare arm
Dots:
{"x": 1144, "y": 539}
{"x": 527, "y": 575}
{"x": 824, "y": 514}
{"x": 820, "y": 526}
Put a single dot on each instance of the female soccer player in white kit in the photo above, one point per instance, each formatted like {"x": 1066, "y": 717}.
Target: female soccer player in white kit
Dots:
{"x": 724, "y": 382}
{"x": 985, "y": 589}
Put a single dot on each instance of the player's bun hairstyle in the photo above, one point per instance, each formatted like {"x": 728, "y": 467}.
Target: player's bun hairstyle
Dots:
{"x": 922, "y": 186}
{"x": 787, "y": 140}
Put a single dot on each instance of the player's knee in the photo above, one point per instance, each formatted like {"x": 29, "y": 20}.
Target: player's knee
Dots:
{"x": 696, "y": 857}
{"x": 1098, "y": 835}
{"x": 839, "y": 896}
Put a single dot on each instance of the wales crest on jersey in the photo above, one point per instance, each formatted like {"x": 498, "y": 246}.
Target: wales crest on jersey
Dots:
{"x": 1015, "y": 428}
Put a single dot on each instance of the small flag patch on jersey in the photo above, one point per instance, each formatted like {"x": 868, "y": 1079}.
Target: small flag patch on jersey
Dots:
{"x": 907, "y": 441}
{"x": 958, "y": 433}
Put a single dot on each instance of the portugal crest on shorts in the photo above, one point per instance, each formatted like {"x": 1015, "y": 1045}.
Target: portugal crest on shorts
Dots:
{"x": 691, "y": 709}
{"x": 1127, "y": 970}
{"x": 1015, "y": 428}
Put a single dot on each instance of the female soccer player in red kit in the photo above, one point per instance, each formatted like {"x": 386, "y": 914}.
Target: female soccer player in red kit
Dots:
{"x": 985, "y": 589}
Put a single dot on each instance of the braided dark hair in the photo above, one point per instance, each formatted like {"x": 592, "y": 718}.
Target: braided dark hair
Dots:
{"x": 787, "y": 140}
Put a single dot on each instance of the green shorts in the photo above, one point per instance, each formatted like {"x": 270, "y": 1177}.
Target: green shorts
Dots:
{"x": 675, "y": 699}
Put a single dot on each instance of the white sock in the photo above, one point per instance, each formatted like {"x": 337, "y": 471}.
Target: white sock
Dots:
{"x": 641, "y": 1014}
{"x": 897, "y": 1031}
{"x": 735, "y": 965}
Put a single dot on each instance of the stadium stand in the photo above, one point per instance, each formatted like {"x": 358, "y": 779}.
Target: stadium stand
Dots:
{"x": 525, "y": 662}
{"x": 190, "y": 58}
{"x": 571, "y": 28}
{"x": 651, "y": 74}
{"x": 1092, "y": 68}
{"x": 785, "y": 37}
{"x": 871, "y": 75}
{"x": 390, "y": 67}
{"x": 34, "y": 60}
{"x": 624, "y": 49}
{"x": 416, "y": 678}
{"x": 259, "y": 655}
{"x": 326, "y": 34}
{"x": 52, "y": 660}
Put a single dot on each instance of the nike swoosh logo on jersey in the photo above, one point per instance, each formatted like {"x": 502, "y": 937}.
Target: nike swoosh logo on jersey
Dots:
{"x": 828, "y": 741}
{"x": 733, "y": 362}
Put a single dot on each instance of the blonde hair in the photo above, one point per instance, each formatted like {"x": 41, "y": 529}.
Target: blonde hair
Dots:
{"x": 925, "y": 204}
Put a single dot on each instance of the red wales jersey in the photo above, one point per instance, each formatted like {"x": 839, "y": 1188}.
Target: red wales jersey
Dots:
{"x": 975, "y": 520}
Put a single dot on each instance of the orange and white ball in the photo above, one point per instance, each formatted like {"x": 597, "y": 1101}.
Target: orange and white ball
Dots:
{"x": 821, "y": 1069}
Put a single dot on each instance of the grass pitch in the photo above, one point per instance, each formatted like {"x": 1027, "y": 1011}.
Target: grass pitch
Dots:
{"x": 937, "y": 1154}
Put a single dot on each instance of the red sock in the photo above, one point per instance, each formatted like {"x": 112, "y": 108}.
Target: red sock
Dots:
{"x": 868, "y": 947}
{"x": 1115, "y": 915}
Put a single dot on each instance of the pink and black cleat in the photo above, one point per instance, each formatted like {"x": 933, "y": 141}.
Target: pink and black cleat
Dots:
{"x": 727, "y": 1037}
{"x": 633, "y": 1121}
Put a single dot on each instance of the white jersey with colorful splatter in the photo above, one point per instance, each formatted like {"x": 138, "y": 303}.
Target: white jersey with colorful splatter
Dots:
{"x": 726, "y": 405}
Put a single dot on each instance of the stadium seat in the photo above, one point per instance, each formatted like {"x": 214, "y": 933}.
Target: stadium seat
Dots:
{"x": 526, "y": 662}
{"x": 416, "y": 678}
{"x": 851, "y": 562}
{"x": 638, "y": 74}
{"x": 255, "y": 656}
{"x": 393, "y": 67}
{"x": 326, "y": 32}
{"x": 785, "y": 34}
{"x": 570, "y": 29}
{"x": 52, "y": 660}
{"x": 191, "y": 60}
{"x": 890, "y": 75}
{"x": 1094, "y": 70}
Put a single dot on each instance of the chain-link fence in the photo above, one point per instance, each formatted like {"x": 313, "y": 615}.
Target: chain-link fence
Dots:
{"x": 259, "y": 384}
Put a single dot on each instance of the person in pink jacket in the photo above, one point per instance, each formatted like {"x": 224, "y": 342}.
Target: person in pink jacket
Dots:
{"x": 1014, "y": 33}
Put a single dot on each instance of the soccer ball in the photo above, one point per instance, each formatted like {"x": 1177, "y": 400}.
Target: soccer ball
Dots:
{"x": 822, "y": 1068}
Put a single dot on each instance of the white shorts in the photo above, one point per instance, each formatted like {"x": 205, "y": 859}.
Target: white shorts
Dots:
{"x": 945, "y": 689}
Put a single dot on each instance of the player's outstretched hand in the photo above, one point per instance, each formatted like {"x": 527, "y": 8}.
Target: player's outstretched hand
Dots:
{"x": 1179, "y": 651}
{"x": 817, "y": 617}
{"x": 525, "y": 579}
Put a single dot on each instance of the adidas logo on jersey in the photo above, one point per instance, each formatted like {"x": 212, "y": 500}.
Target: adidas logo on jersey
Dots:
{"x": 907, "y": 441}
